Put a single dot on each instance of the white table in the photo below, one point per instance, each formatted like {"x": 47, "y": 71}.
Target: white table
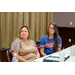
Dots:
{"x": 66, "y": 51}
{"x": 71, "y": 59}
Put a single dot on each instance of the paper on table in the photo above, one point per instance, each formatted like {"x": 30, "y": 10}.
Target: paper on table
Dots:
{"x": 57, "y": 55}
{"x": 51, "y": 58}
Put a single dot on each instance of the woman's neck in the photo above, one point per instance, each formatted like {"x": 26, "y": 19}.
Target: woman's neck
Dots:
{"x": 51, "y": 36}
{"x": 25, "y": 40}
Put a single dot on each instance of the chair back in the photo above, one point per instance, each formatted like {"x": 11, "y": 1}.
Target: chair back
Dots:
{"x": 9, "y": 55}
{"x": 38, "y": 48}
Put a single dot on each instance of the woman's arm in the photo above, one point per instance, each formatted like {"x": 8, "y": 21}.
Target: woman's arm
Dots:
{"x": 42, "y": 52}
{"x": 37, "y": 55}
{"x": 20, "y": 59}
{"x": 59, "y": 49}
{"x": 59, "y": 43}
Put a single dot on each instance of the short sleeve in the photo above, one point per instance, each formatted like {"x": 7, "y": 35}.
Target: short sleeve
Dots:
{"x": 42, "y": 42}
{"x": 15, "y": 46}
{"x": 59, "y": 42}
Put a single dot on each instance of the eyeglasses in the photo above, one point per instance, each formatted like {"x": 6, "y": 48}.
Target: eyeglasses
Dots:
{"x": 51, "y": 28}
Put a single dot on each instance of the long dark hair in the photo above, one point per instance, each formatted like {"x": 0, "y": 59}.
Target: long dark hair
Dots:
{"x": 55, "y": 47}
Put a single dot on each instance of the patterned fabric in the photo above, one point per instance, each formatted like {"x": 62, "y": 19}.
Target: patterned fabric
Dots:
{"x": 16, "y": 45}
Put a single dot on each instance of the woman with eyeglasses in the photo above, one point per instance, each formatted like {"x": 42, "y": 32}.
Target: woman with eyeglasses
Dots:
{"x": 51, "y": 42}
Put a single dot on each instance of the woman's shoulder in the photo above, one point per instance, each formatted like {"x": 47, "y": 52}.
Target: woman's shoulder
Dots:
{"x": 59, "y": 37}
{"x": 44, "y": 36}
{"x": 17, "y": 40}
{"x": 31, "y": 41}
{"x": 16, "y": 45}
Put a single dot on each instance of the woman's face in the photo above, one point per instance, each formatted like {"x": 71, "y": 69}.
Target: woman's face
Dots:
{"x": 24, "y": 33}
{"x": 51, "y": 29}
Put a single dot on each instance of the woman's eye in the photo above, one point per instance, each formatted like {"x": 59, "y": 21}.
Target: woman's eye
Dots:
{"x": 25, "y": 31}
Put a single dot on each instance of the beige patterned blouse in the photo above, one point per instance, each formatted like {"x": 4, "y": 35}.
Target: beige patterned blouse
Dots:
{"x": 16, "y": 45}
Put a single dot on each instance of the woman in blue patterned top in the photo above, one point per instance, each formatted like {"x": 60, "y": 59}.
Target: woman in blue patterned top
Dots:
{"x": 51, "y": 42}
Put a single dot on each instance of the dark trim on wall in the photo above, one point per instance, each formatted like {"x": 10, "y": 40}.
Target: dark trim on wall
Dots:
{"x": 67, "y": 33}
{"x": 67, "y": 27}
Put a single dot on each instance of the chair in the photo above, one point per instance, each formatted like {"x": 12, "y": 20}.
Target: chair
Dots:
{"x": 9, "y": 55}
{"x": 38, "y": 48}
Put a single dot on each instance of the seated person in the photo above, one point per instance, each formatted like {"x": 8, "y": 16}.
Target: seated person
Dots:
{"x": 24, "y": 47}
{"x": 51, "y": 42}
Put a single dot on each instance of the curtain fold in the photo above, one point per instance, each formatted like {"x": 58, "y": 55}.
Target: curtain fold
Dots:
{"x": 10, "y": 23}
